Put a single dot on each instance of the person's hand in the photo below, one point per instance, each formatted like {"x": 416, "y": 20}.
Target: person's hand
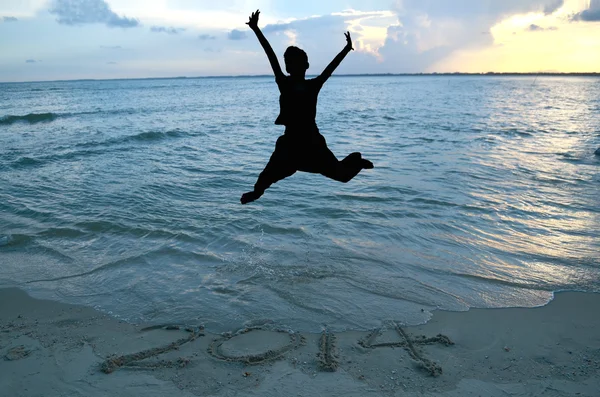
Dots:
{"x": 348, "y": 41}
{"x": 253, "y": 22}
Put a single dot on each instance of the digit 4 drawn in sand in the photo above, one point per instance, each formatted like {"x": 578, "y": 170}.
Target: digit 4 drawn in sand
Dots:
{"x": 409, "y": 344}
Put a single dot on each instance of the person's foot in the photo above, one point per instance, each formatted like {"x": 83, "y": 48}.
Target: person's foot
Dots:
{"x": 366, "y": 164}
{"x": 250, "y": 197}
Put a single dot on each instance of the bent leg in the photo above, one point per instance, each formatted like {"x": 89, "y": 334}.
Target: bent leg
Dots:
{"x": 345, "y": 170}
{"x": 320, "y": 159}
{"x": 273, "y": 173}
{"x": 280, "y": 166}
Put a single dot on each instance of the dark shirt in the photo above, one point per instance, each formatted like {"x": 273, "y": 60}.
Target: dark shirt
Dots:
{"x": 298, "y": 102}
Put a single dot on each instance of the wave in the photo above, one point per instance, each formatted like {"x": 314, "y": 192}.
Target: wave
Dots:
{"x": 101, "y": 147}
{"x": 31, "y": 118}
{"x": 46, "y": 89}
{"x": 14, "y": 240}
{"x": 132, "y": 261}
{"x": 26, "y": 161}
{"x": 146, "y": 136}
{"x": 517, "y": 132}
{"x": 155, "y": 135}
{"x": 34, "y": 118}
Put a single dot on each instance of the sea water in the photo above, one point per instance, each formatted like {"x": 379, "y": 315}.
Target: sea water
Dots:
{"x": 124, "y": 195}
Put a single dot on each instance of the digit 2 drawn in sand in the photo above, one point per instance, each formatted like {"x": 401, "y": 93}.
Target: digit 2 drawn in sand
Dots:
{"x": 134, "y": 360}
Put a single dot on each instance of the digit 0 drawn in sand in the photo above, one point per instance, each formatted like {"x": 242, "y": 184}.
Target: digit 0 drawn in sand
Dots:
{"x": 327, "y": 355}
{"x": 254, "y": 345}
{"x": 409, "y": 344}
{"x": 133, "y": 360}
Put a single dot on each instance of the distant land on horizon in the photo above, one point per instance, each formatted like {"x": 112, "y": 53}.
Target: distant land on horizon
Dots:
{"x": 448, "y": 74}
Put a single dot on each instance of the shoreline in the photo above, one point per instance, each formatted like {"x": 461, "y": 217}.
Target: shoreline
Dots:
{"x": 426, "y": 312}
{"x": 74, "y": 350}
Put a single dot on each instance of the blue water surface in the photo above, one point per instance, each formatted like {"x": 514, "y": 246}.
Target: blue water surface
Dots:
{"x": 124, "y": 195}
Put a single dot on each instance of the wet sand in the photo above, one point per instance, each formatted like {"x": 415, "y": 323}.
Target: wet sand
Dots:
{"x": 53, "y": 349}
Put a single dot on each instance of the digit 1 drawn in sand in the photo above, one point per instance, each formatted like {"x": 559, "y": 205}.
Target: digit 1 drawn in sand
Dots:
{"x": 133, "y": 360}
{"x": 326, "y": 355}
{"x": 408, "y": 344}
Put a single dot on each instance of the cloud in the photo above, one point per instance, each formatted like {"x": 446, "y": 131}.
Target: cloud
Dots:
{"x": 550, "y": 8}
{"x": 429, "y": 31}
{"x": 592, "y": 14}
{"x": 30, "y": 61}
{"x": 324, "y": 21}
{"x": 368, "y": 33}
{"x": 309, "y": 33}
{"x": 465, "y": 9}
{"x": 165, "y": 29}
{"x": 10, "y": 19}
{"x": 237, "y": 35}
{"x": 277, "y": 27}
{"x": 588, "y": 16}
{"x": 206, "y": 37}
{"x": 79, "y": 12}
{"x": 111, "y": 47}
{"x": 537, "y": 28}
{"x": 112, "y": 63}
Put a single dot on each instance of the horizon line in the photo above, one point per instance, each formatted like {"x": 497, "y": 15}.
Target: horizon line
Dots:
{"x": 449, "y": 74}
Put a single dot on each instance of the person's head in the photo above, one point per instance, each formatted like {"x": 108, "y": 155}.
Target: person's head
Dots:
{"x": 296, "y": 61}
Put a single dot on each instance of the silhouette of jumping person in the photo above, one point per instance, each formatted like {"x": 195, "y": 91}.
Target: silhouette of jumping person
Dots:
{"x": 301, "y": 147}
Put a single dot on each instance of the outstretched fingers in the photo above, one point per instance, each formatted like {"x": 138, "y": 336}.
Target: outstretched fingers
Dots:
{"x": 348, "y": 40}
{"x": 253, "y": 20}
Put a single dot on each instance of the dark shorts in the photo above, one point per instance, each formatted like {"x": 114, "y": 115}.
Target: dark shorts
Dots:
{"x": 306, "y": 150}
{"x": 298, "y": 150}
{"x": 303, "y": 151}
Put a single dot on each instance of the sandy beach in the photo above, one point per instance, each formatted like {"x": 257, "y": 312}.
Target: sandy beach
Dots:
{"x": 55, "y": 349}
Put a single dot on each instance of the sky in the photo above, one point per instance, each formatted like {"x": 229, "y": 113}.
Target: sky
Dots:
{"x": 100, "y": 39}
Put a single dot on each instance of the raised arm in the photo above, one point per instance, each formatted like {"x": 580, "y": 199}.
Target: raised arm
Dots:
{"x": 338, "y": 59}
{"x": 253, "y": 23}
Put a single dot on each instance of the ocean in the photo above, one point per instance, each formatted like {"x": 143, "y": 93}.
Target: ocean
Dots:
{"x": 124, "y": 195}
